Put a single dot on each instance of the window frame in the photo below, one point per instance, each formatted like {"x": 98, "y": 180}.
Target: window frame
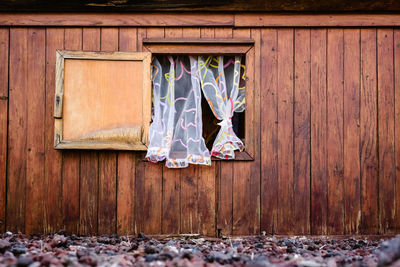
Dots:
{"x": 60, "y": 143}
{"x": 220, "y": 47}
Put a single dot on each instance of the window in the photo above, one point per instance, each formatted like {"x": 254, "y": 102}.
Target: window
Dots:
{"x": 198, "y": 52}
{"x": 96, "y": 101}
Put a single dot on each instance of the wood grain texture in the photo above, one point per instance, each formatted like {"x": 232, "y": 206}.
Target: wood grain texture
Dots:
{"x": 316, "y": 20}
{"x": 301, "y": 157}
{"x": 319, "y": 201}
{"x": 89, "y": 161}
{"x": 206, "y": 200}
{"x": 351, "y": 131}
{"x": 4, "y": 54}
{"x": 114, "y": 19}
{"x": 17, "y": 124}
{"x": 285, "y": 85}
{"x": 334, "y": 148}
{"x": 107, "y": 214}
{"x": 148, "y": 197}
{"x": 396, "y": 43}
{"x": 53, "y": 159}
{"x": 368, "y": 133}
{"x": 71, "y": 170}
{"x": 189, "y": 219}
{"x": 35, "y": 176}
{"x": 126, "y": 161}
{"x": 269, "y": 130}
{"x": 386, "y": 109}
{"x": 171, "y": 191}
{"x": 3, "y": 162}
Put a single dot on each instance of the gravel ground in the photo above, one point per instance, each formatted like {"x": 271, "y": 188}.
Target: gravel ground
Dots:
{"x": 61, "y": 250}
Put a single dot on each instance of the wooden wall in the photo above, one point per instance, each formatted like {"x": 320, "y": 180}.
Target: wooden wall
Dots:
{"x": 327, "y": 160}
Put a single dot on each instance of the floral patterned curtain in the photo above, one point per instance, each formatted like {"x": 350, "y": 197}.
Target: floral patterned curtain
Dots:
{"x": 220, "y": 84}
{"x": 176, "y": 129}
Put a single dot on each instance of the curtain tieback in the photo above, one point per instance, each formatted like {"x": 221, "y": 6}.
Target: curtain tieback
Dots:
{"x": 226, "y": 122}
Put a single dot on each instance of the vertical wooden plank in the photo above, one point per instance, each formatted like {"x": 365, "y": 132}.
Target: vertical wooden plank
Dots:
{"x": 285, "y": 223}
{"x": 207, "y": 32}
{"x": 387, "y": 178}
{"x": 223, "y": 32}
{"x": 351, "y": 134}
{"x": 71, "y": 160}
{"x": 319, "y": 207}
{"x": 173, "y": 32}
{"x": 189, "y": 199}
{"x": 89, "y": 163}
{"x": 368, "y": 134}
{"x": 334, "y": 148}
{"x": 301, "y": 178}
{"x": 16, "y": 172}
{"x": 149, "y": 199}
{"x": 3, "y": 161}
{"x": 397, "y": 121}
{"x": 206, "y": 200}
{"x": 107, "y": 217}
{"x": 191, "y": 32}
{"x": 53, "y": 158}
{"x": 171, "y": 186}
{"x": 35, "y": 195}
{"x": 269, "y": 130}
{"x": 126, "y": 160}
{"x": 4, "y": 52}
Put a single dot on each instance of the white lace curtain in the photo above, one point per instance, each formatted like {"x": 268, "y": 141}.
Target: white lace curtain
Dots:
{"x": 176, "y": 130}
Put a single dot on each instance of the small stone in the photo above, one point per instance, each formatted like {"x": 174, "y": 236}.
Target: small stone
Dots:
{"x": 24, "y": 261}
{"x": 4, "y": 245}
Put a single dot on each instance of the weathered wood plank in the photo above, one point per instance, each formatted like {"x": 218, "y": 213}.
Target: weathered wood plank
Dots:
{"x": 126, "y": 160}
{"x": 116, "y": 19}
{"x": 269, "y": 130}
{"x": 189, "y": 200}
{"x": 89, "y": 163}
{"x": 319, "y": 207}
{"x": 397, "y": 122}
{"x": 301, "y": 187}
{"x": 149, "y": 198}
{"x": 35, "y": 177}
{"x": 206, "y": 200}
{"x": 53, "y": 158}
{"x": 108, "y": 160}
{"x": 16, "y": 172}
{"x": 316, "y": 20}
{"x": 334, "y": 148}
{"x": 207, "y": 32}
{"x": 71, "y": 159}
{"x": 351, "y": 134}
{"x": 285, "y": 223}
{"x": 171, "y": 189}
{"x": 386, "y": 109}
{"x": 107, "y": 217}
{"x": 368, "y": 134}
{"x": 4, "y": 53}
{"x": 126, "y": 193}
{"x": 3, "y": 161}
{"x": 191, "y": 32}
